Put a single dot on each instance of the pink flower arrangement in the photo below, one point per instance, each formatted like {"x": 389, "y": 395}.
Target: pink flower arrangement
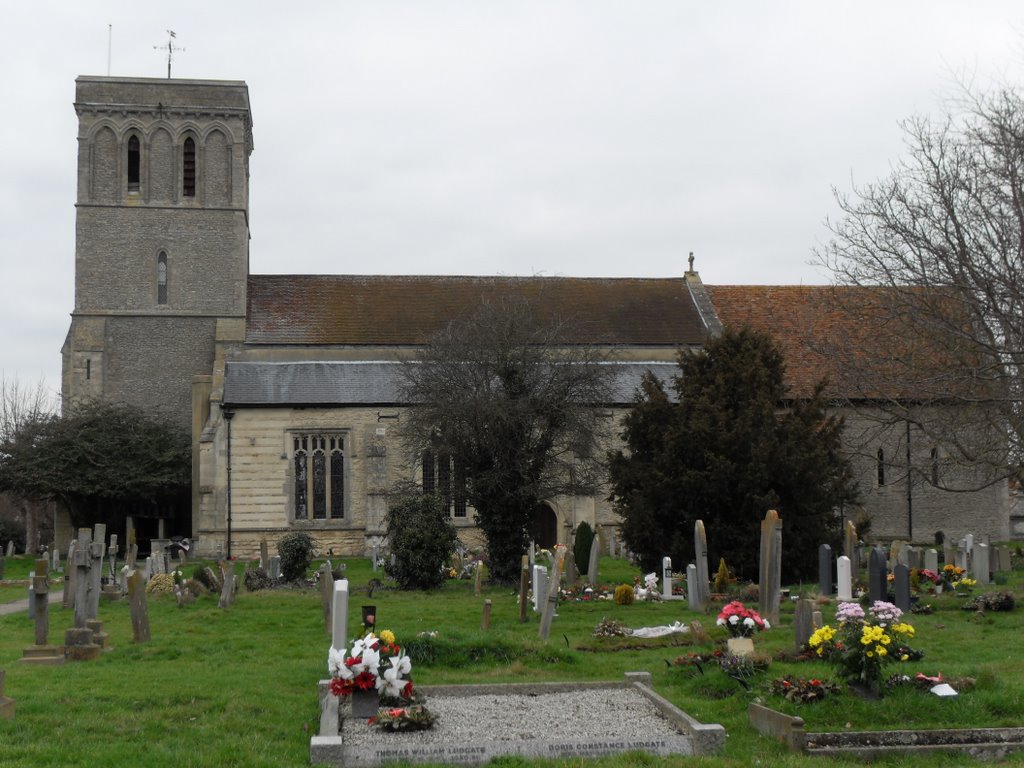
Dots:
{"x": 740, "y": 620}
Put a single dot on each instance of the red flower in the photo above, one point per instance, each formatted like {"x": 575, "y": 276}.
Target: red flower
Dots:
{"x": 397, "y": 712}
{"x": 407, "y": 690}
{"x": 815, "y": 682}
{"x": 364, "y": 681}
{"x": 340, "y": 687}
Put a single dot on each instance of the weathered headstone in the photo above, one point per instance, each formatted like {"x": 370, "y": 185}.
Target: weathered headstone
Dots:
{"x": 139, "y": 609}
{"x": 878, "y": 585}
{"x": 844, "y": 579}
{"x": 42, "y": 652}
{"x": 803, "y": 621}
{"x": 1002, "y": 562}
{"x": 816, "y": 620}
{"x": 31, "y": 595}
{"x": 6, "y": 704}
{"x": 850, "y": 543}
{"x": 962, "y": 558}
{"x": 595, "y": 554}
{"x": 485, "y": 622}
{"x": 275, "y": 567}
{"x": 56, "y": 564}
{"x": 478, "y": 578}
{"x": 227, "y": 590}
{"x": 264, "y": 556}
{"x": 931, "y": 560}
{"x": 901, "y": 586}
{"x": 825, "y": 569}
{"x": 572, "y": 575}
{"x": 10, "y": 548}
{"x": 96, "y": 550}
{"x": 551, "y": 603}
{"x": 700, "y": 559}
{"x": 540, "y": 586}
{"x": 80, "y": 641}
{"x": 326, "y": 593}
{"x": 373, "y": 556}
{"x": 770, "y": 572}
{"x": 666, "y": 578}
{"x": 693, "y": 595}
{"x": 112, "y": 551}
{"x": 68, "y": 598}
{"x": 915, "y": 557}
{"x": 982, "y": 563}
{"x": 339, "y": 615}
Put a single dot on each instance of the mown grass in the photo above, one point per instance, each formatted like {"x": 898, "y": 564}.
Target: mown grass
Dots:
{"x": 238, "y": 687}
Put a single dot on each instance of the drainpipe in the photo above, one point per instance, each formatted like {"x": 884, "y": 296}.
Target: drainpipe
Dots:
{"x": 228, "y": 415}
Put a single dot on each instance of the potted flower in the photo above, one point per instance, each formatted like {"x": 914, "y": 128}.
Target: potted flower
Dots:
{"x": 374, "y": 668}
{"x": 742, "y": 623}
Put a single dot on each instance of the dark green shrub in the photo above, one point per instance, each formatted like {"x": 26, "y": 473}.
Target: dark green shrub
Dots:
{"x": 581, "y": 547}
{"x": 421, "y": 539}
{"x": 296, "y": 550}
{"x": 256, "y": 579}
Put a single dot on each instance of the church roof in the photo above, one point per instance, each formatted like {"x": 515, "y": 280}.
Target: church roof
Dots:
{"x": 363, "y": 383}
{"x": 408, "y": 310}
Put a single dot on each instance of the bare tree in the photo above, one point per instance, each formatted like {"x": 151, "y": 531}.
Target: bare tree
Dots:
{"x": 507, "y": 408}
{"x": 23, "y": 409}
{"x": 937, "y": 249}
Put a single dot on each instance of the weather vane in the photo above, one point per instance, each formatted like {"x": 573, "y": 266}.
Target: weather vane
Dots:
{"x": 171, "y": 48}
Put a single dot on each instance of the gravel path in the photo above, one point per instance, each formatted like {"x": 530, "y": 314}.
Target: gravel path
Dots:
{"x": 584, "y": 714}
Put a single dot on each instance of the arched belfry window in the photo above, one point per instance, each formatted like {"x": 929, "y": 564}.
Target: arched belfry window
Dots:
{"x": 133, "y": 163}
{"x": 188, "y": 168}
{"x": 881, "y": 467}
{"x": 161, "y": 278}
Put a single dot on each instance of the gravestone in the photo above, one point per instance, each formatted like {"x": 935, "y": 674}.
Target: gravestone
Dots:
{"x": 540, "y": 587}
{"x": 878, "y": 585}
{"x": 803, "y": 622}
{"x": 147, "y": 568}
{"x": 1001, "y": 561}
{"x": 79, "y": 641}
{"x": 551, "y": 603}
{"x": 478, "y": 578}
{"x": 825, "y": 569}
{"x": 339, "y": 616}
{"x": 42, "y": 652}
{"x": 139, "y": 609}
{"x": 693, "y": 595}
{"x": 6, "y": 704}
{"x": 901, "y": 587}
{"x": 326, "y": 593}
{"x": 485, "y": 621}
{"x": 572, "y": 575}
{"x": 56, "y": 564}
{"x": 68, "y": 598}
{"x": 595, "y": 554}
{"x": 666, "y": 578}
{"x": 948, "y": 553}
{"x": 3, "y": 564}
{"x": 96, "y": 550}
{"x": 31, "y": 595}
{"x": 264, "y": 556}
{"x": 373, "y": 556}
{"x": 524, "y": 587}
{"x": 982, "y": 565}
{"x": 850, "y": 542}
{"x": 770, "y": 571}
{"x": 896, "y": 548}
{"x": 931, "y": 560}
{"x": 10, "y": 548}
{"x": 915, "y": 558}
{"x": 844, "y": 579}
{"x": 275, "y": 568}
{"x": 227, "y": 589}
{"x": 700, "y": 549}
{"x": 962, "y": 558}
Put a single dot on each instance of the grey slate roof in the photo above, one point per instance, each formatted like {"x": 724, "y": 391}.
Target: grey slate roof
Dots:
{"x": 355, "y": 383}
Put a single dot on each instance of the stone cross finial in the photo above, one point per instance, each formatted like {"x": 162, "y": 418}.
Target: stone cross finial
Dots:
{"x": 691, "y": 261}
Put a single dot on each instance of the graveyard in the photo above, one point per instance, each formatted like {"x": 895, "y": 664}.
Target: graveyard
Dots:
{"x": 235, "y": 682}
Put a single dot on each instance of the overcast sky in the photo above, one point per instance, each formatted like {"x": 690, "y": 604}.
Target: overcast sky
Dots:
{"x": 575, "y": 138}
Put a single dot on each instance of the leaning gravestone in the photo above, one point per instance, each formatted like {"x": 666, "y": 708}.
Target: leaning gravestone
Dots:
{"x": 227, "y": 590}
{"x": 551, "y": 601}
{"x": 770, "y": 583}
{"x": 982, "y": 568}
{"x": 878, "y": 585}
{"x": 540, "y": 586}
{"x": 825, "y": 569}
{"x": 700, "y": 559}
{"x": 693, "y": 596}
{"x": 139, "y": 609}
{"x": 595, "y": 554}
{"x": 10, "y": 548}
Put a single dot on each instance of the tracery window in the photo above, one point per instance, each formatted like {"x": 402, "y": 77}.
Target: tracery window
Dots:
{"x": 443, "y": 476}
{"x": 161, "y": 278}
{"x": 319, "y": 476}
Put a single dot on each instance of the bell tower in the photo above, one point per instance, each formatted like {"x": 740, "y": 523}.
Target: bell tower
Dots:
{"x": 161, "y": 238}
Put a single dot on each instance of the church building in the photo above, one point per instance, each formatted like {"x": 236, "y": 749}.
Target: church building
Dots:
{"x": 290, "y": 383}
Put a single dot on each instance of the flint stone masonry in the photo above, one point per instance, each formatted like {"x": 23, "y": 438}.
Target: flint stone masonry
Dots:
{"x": 554, "y": 720}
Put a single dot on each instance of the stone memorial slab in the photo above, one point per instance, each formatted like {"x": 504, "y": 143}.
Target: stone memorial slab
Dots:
{"x": 700, "y": 548}
{"x": 326, "y": 593}
{"x": 693, "y": 595}
{"x": 901, "y": 587}
{"x": 844, "y": 579}
{"x": 138, "y": 607}
{"x": 10, "y": 548}
{"x": 878, "y": 585}
{"x": 825, "y": 570}
{"x": 982, "y": 563}
{"x": 275, "y": 568}
{"x": 850, "y": 543}
{"x": 666, "y": 578}
{"x": 803, "y": 621}
{"x": 524, "y": 587}
{"x": 770, "y": 571}
{"x": 592, "y": 566}
{"x": 540, "y": 586}
{"x": 931, "y": 560}
{"x": 264, "y": 556}
{"x": 551, "y": 601}
{"x": 339, "y": 615}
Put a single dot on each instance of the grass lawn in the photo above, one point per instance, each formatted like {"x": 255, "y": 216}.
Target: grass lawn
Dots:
{"x": 238, "y": 687}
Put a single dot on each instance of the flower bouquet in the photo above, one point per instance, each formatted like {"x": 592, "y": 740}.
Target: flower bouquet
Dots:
{"x": 740, "y": 620}
{"x": 376, "y": 664}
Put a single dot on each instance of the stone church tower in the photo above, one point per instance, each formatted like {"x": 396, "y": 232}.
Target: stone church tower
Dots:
{"x": 162, "y": 240}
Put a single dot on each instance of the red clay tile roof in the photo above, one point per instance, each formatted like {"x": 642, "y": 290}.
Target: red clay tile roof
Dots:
{"x": 806, "y": 322}
{"x": 386, "y": 310}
